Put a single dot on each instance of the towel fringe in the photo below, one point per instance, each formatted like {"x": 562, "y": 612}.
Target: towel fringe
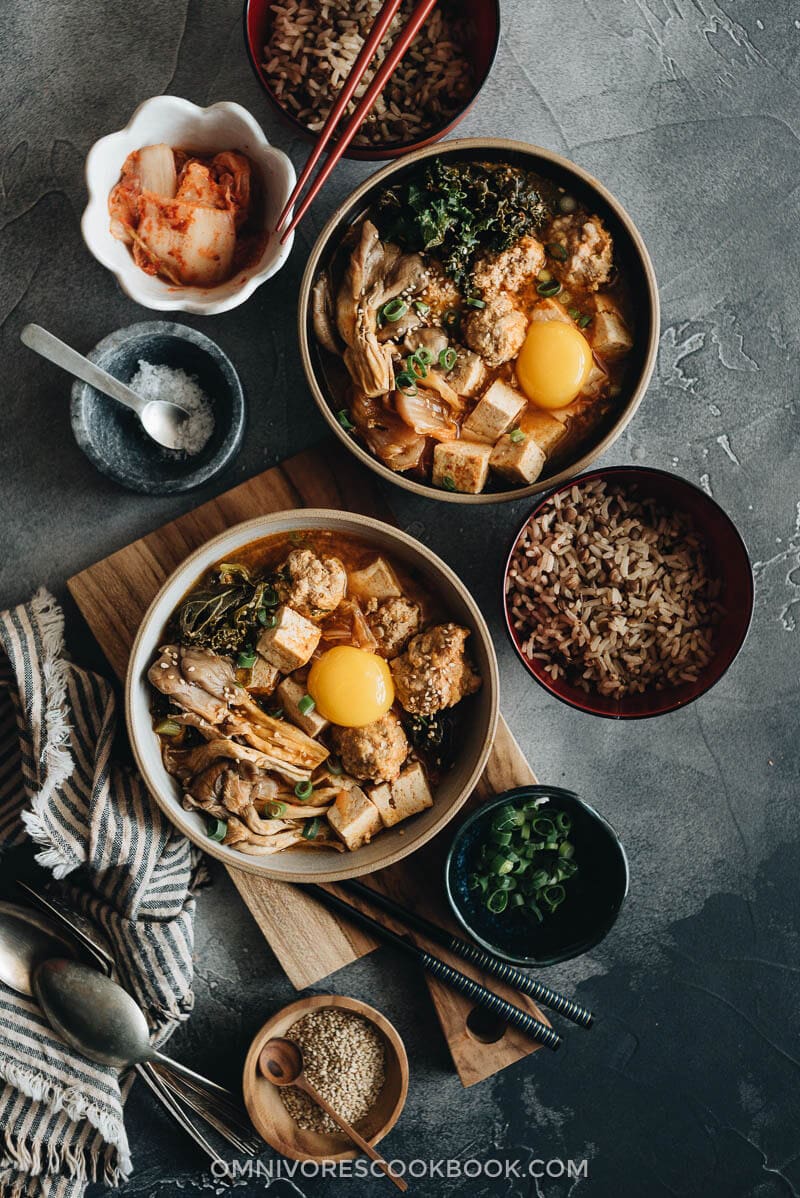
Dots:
{"x": 74, "y": 1103}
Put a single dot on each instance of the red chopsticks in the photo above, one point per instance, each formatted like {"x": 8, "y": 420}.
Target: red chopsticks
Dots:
{"x": 397, "y": 52}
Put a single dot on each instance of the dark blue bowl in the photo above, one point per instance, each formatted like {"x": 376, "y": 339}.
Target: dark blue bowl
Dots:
{"x": 111, "y": 435}
{"x": 594, "y": 895}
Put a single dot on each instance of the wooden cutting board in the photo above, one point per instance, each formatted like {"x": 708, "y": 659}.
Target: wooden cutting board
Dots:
{"x": 309, "y": 942}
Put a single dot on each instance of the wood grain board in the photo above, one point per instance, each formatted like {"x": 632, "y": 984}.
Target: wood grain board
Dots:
{"x": 309, "y": 942}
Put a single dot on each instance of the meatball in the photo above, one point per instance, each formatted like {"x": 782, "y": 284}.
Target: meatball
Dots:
{"x": 497, "y": 331}
{"x": 393, "y": 623}
{"x": 435, "y": 671}
{"x": 510, "y": 269}
{"x": 311, "y": 585}
{"x": 590, "y": 251}
{"x": 374, "y": 753}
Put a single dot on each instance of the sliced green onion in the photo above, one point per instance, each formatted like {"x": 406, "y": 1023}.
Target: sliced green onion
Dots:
{"x": 448, "y": 482}
{"x": 406, "y": 382}
{"x": 422, "y": 307}
{"x": 275, "y": 713}
{"x": 451, "y": 318}
{"x": 475, "y": 302}
{"x": 394, "y": 309}
{"x": 416, "y": 366}
{"x": 585, "y": 320}
{"x": 548, "y": 289}
{"x": 497, "y": 902}
{"x": 216, "y": 829}
{"x": 448, "y": 358}
{"x": 555, "y": 250}
{"x": 270, "y": 619}
{"x": 246, "y": 659}
{"x": 312, "y": 827}
{"x": 304, "y": 790}
{"x": 425, "y": 356}
{"x": 554, "y": 896}
{"x": 543, "y": 826}
{"x": 168, "y": 727}
{"x": 343, "y": 416}
{"x": 270, "y": 598}
{"x": 563, "y": 822}
{"x": 306, "y": 705}
{"x": 275, "y": 808}
{"x": 574, "y": 313}
{"x": 476, "y": 882}
{"x": 334, "y": 766}
{"x": 517, "y": 435}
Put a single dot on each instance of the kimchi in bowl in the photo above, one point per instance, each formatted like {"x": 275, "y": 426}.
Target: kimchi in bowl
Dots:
{"x": 199, "y": 802}
{"x": 190, "y": 131}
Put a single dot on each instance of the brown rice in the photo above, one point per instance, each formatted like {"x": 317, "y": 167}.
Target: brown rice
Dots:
{"x": 613, "y": 593}
{"x": 314, "y": 43}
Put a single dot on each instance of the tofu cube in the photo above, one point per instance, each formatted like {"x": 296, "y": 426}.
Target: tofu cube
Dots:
{"x": 290, "y": 692}
{"x": 550, "y": 309}
{"x": 608, "y": 334}
{"x": 542, "y": 428}
{"x": 461, "y": 466}
{"x": 375, "y": 581}
{"x": 495, "y": 413}
{"x": 354, "y": 819}
{"x": 263, "y": 677}
{"x": 407, "y": 795}
{"x": 519, "y": 461}
{"x": 289, "y": 645}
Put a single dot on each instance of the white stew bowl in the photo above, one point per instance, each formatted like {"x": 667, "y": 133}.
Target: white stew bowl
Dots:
{"x": 392, "y": 844}
{"x": 182, "y": 125}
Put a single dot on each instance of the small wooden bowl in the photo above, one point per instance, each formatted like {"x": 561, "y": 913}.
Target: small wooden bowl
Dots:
{"x": 265, "y": 1105}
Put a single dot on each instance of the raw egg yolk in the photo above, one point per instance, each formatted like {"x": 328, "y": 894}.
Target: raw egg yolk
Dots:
{"x": 554, "y": 363}
{"x": 350, "y": 686}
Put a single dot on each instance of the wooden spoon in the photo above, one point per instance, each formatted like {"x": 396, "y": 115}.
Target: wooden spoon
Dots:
{"x": 281, "y": 1062}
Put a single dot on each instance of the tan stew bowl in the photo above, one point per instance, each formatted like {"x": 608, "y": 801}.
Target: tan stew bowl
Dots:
{"x": 629, "y": 248}
{"x": 392, "y": 844}
{"x": 265, "y": 1105}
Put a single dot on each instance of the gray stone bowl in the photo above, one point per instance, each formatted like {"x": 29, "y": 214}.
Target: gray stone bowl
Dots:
{"x": 113, "y": 439}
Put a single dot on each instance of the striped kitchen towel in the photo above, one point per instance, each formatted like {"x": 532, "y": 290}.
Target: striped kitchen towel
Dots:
{"x": 61, "y": 1122}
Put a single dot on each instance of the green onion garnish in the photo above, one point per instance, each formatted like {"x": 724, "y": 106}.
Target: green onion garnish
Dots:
{"x": 275, "y": 713}
{"x": 448, "y": 358}
{"x": 275, "y": 808}
{"x": 311, "y": 828}
{"x": 304, "y": 790}
{"x": 585, "y": 320}
{"x": 415, "y": 366}
{"x": 425, "y": 356}
{"x": 343, "y": 416}
{"x": 451, "y": 318}
{"x": 246, "y": 659}
{"x": 475, "y": 302}
{"x": 306, "y": 705}
{"x": 523, "y": 861}
{"x": 422, "y": 307}
{"x": 168, "y": 727}
{"x": 517, "y": 435}
{"x": 334, "y": 767}
{"x": 555, "y": 250}
{"x": 548, "y": 289}
{"x": 574, "y": 313}
{"x": 406, "y": 382}
{"x": 216, "y": 829}
{"x": 394, "y": 309}
{"x": 270, "y": 598}
{"x": 448, "y": 482}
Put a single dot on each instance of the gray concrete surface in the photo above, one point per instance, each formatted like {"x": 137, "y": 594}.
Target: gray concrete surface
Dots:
{"x": 688, "y": 111}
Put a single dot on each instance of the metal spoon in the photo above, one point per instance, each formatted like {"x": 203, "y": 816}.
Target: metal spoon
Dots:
{"x": 160, "y": 419}
{"x": 93, "y": 1014}
{"x": 281, "y": 1062}
{"x": 26, "y": 940}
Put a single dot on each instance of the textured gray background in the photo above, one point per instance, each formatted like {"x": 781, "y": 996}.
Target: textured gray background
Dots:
{"x": 688, "y": 111}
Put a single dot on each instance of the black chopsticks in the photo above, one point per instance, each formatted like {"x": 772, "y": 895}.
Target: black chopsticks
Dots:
{"x": 461, "y": 982}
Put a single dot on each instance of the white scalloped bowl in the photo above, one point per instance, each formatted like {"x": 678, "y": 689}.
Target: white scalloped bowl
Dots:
{"x": 179, "y": 123}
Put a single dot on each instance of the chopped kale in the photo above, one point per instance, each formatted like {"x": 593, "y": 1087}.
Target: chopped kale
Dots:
{"x": 456, "y": 211}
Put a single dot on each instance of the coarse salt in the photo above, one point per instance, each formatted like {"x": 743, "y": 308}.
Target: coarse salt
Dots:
{"x": 176, "y": 386}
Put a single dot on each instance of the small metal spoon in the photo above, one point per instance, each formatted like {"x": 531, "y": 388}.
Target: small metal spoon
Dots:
{"x": 281, "y": 1062}
{"x": 26, "y": 939}
{"x": 160, "y": 419}
{"x": 93, "y": 1014}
